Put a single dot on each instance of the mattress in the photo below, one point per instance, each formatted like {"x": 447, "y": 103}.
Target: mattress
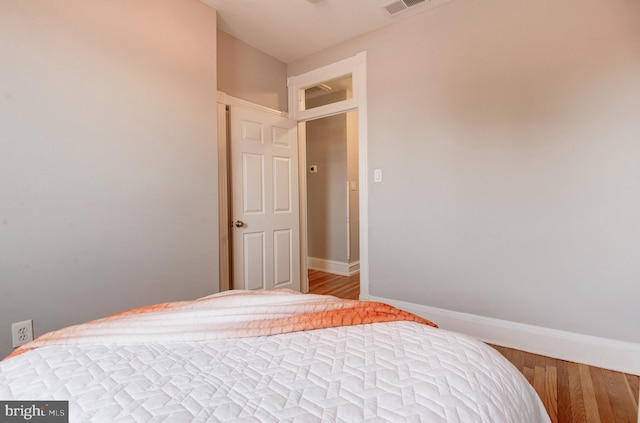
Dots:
{"x": 397, "y": 371}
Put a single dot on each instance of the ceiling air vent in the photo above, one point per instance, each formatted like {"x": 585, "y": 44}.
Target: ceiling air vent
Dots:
{"x": 400, "y": 5}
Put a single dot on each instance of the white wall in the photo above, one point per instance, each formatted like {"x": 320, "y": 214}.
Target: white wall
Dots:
{"x": 509, "y": 137}
{"x": 250, "y": 74}
{"x": 108, "y": 175}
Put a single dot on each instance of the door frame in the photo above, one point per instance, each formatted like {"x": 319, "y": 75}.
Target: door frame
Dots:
{"x": 224, "y": 182}
{"x": 357, "y": 67}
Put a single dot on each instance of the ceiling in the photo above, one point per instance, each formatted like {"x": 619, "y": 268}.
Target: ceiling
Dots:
{"x": 292, "y": 29}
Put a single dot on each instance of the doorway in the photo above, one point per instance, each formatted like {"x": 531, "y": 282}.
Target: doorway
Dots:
{"x": 303, "y": 107}
{"x": 332, "y": 194}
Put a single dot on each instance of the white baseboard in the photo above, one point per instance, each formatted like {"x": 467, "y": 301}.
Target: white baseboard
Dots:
{"x": 354, "y": 268}
{"x": 594, "y": 351}
{"x": 335, "y": 267}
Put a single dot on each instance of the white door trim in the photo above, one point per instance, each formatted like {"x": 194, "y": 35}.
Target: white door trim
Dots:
{"x": 357, "y": 66}
{"x": 302, "y": 186}
{"x": 228, "y": 100}
{"x": 224, "y": 222}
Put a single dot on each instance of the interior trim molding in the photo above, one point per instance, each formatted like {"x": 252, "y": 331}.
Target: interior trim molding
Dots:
{"x": 591, "y": 350}
{"x": 354, "y": 268}
{"x": 334, "y": 267}
{"x": 223, "y": 200}
{"x": 228, "y": 100}
{"x": 357, "y": 66}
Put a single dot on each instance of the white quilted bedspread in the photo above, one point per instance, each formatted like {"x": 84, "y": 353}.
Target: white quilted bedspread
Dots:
{"x": 395, "y": 372}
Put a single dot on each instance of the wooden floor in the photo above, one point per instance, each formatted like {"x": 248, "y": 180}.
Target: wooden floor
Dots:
{"x": 347, "y": 287}
{"x": 571, "y": 392}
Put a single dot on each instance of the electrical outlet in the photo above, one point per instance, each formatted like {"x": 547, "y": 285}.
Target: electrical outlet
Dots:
{"x": 22, "y": 332}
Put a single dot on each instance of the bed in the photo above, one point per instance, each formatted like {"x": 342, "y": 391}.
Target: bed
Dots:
{"x": 269, "y": 356}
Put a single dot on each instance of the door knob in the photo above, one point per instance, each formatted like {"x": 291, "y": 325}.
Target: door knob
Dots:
{"x": 238, "y": 224}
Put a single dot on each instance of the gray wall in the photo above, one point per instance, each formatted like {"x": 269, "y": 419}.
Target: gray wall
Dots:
{"x": 326, "y": 190}
{"x": 332, "y": 144}
{"x": 249, "y": 74}
{"x": 108, "y": 175}
{"x": 509, "y": 137}
{"x": 352, "y": 176}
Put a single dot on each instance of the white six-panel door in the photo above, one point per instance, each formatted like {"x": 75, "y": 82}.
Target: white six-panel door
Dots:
{"x": 264, "y": 200}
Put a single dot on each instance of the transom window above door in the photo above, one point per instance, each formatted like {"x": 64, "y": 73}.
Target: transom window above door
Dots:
{"x": 327, "y": 92}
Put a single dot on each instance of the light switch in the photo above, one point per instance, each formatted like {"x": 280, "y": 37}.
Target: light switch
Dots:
{"x": 377, "y": 175}
{"x": 354, "y": 186}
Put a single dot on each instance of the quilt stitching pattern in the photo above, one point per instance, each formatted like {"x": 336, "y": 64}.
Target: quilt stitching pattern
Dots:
{"x": 396, "y": 372}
